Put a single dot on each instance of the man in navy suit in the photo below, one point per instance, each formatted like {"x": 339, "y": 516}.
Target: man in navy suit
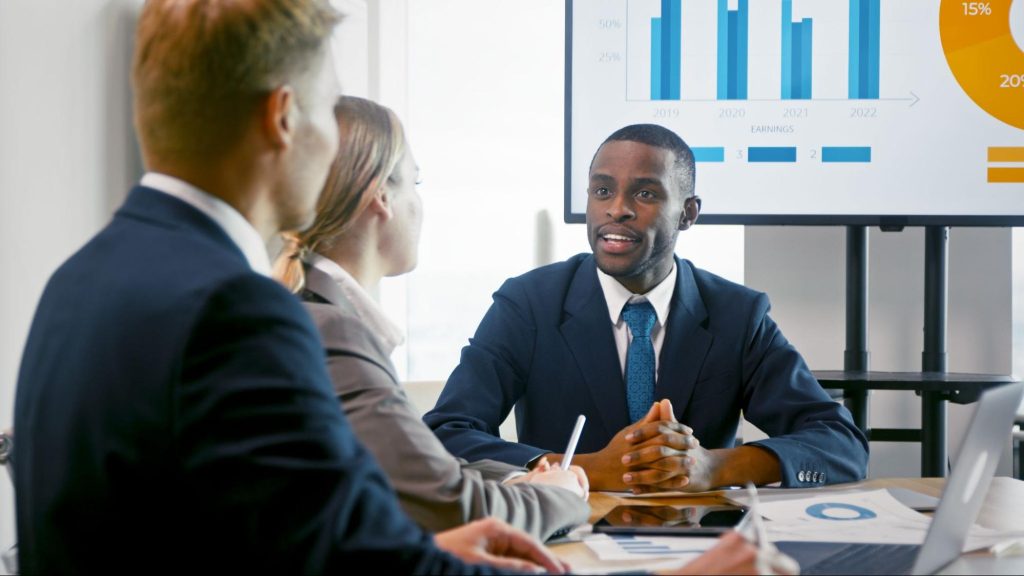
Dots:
{"x": 606, "y": 334}
{"x": 173, "y": 409}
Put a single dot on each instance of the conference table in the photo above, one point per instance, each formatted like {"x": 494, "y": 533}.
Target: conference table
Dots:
{"x": 1003, "y": 509}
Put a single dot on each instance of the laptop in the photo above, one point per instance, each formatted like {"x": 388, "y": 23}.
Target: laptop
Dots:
{"x": 957, "y": 510}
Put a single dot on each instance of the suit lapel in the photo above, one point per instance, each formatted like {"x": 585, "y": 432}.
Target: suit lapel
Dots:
{"x": 588, "y": 333}
{"x": 350, "y": 335}
{"x": 686, "y": 342}
{"x": 320, "y": 283}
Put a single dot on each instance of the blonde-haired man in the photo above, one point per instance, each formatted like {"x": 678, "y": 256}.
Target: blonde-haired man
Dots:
{"x": 173, "y": 409}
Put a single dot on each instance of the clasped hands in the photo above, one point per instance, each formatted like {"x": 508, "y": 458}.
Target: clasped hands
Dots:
{"x": 657, "y": 453}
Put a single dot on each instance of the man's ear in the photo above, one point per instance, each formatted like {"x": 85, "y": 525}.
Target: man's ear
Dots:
{"x": 691, "y": 211}
{"x": 280, "y": 116}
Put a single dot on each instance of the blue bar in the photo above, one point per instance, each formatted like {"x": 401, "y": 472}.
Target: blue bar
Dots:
{"x": 667, "y": 26}
{"x": 723, "y": 50}
{"x": 771, "y": 154}
{"x": 656, "y": 59}
{"x": 864, "y": 55}
{"x": 742, "y": 37}
{"x": 787, "y": 49}
{"x": 874, "y": 25}
{"x": 846, "y": 154}
{"x": 674, "y": 55}
{"x": 805, "y": 58}
{"x": 854, "y": 72}
{"x": 796, "y": 87}
{"x": 708, "y": 154}
{"x": 733, "y": 54}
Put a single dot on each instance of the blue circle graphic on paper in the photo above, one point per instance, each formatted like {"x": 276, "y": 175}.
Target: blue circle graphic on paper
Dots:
{"x": 822, "y": 511}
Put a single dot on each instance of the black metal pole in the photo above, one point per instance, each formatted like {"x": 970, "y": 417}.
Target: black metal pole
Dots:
{"x": 933, "y": 358}
{"x": 856, "y": 357}
{"x": 936, "y": 259}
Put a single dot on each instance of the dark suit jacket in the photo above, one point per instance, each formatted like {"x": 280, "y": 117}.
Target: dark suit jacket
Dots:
{"x": 436, "y": 489}
{"x": 546, "y": 347}
{"x": 174, "y": 413}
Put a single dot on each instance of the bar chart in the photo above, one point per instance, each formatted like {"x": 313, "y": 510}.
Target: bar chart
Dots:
{"x": 731, "y": 24}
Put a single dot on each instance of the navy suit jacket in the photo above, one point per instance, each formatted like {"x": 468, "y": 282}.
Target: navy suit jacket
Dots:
{"x": 174, "y": 413}
{"x": 547, "y": 348}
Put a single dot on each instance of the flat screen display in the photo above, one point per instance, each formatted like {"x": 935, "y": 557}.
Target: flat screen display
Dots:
{"x": 870, "y": 112}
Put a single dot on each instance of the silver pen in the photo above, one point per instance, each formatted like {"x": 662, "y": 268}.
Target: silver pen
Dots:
{"x": 573, "y": 440}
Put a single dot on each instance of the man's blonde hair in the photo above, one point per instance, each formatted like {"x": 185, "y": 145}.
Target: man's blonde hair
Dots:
{"x": 201, "y": 66}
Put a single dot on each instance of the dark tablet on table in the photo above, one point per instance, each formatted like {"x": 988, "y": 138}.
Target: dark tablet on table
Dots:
{"x": 670, "y": 520}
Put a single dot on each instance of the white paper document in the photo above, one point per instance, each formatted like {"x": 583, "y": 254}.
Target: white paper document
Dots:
{"x": 629, "y": 547}
{"x": 910, "y": 498}
{"x": 872, "y": 516}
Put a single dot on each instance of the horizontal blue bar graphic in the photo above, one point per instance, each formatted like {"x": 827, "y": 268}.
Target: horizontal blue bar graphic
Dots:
{"x": 771, "y": 154}
{"x": 708, "y": 154}
{"x": 846, "y": 154}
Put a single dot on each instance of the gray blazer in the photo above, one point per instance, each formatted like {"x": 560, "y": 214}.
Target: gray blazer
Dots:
{"x": 438, "y": 490}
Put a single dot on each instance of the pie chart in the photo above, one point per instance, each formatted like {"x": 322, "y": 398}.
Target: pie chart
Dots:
{"x": 984, "y": 46}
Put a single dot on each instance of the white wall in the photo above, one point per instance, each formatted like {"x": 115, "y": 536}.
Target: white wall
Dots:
{"x": 803, "y": 271}
{"x": 66, "y": 155}
{"x": 351, "y": 47}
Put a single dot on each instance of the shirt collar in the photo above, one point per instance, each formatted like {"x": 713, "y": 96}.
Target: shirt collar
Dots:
{"x": 617, "y": 296}
{"x": 368, "y": 310}
{"x": 238, "y": 229}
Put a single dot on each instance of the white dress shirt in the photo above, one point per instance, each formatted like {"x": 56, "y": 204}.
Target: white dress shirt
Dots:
{"x": 368, "y": 310}
{"x": 238, "y": 229}
{"x": 617, "y": 296}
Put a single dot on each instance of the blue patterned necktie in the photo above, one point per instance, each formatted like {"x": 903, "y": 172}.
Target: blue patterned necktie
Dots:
{"x": 640, "y": 317}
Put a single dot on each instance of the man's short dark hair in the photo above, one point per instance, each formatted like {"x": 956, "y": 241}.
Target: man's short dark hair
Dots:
{"x": 661, "y": 137}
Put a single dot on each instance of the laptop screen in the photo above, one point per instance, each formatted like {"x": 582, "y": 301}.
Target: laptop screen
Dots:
{"x": 971, "y": 476}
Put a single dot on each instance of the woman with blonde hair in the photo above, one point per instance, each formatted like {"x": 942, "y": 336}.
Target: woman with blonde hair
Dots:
{"x": 367, "y": 227}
